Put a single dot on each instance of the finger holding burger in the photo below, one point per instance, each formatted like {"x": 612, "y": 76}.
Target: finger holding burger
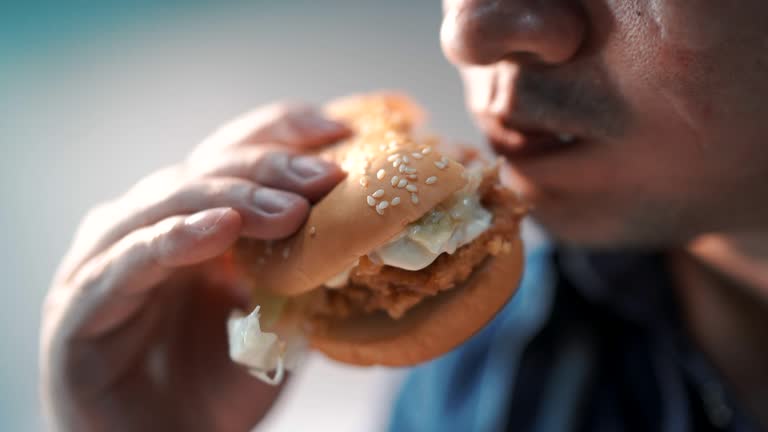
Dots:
{"x": 133, "y": 325}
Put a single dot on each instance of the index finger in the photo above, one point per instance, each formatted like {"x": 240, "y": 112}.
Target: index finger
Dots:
{"x": 291, "y": 125}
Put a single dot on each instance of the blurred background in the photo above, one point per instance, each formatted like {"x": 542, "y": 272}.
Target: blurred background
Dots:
{"x": 94, "y": 95}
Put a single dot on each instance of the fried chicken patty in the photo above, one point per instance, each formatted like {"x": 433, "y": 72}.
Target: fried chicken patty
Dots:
{"x": 373, "y": 287}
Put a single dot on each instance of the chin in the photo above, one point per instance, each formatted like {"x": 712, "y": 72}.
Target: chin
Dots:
{"x": 602, "y": 229}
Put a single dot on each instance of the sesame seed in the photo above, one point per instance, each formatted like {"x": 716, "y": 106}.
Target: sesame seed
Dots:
{"x": 392, "y": 157}
{"x": 397, "y": 162}
{"x": 439, "y": 164}
{"x": 410, "y": 170}
{"x": 382, "y": 147}
{"x": 412, "y": 176}
{"x": 380, "y": 174}
{"x": 394, "y": 180}
{"x": 401, "y": 184}
{"x": 405, "y": 159}
{"x": 402, "y": 168}
{"x": 444, "y": 160}
{"x": 393, "y": 143}
{"x": 395, "y": 201}
{"x": 286, "y": 252}
{"x": 370, "y": 200}
{"x": 379, "y": 193}
{"x": 381, "y": 206}
{"x": 417, "y": 155}
{"x": 426, "y": 150}
{"x": 312, "y": 230}
{"x": 414, "y": 198}
{"x": 411, "y": 188}
{"x": 431, "y": 180}
{"x": 364, "y": 181}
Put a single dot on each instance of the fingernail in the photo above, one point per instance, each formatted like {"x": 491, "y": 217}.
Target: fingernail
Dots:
{"x": 309, "y": 166}
{"x": 273, "y": 201}
{"x": 205, "y": 220}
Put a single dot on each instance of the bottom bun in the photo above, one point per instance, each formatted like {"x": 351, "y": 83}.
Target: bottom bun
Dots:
{"x": 428, "y": 330}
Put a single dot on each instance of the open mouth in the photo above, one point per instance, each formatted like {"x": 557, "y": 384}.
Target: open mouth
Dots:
{"x": 529, "y": 143}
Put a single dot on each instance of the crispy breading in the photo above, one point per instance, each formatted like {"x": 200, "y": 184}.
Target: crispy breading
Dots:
{"x": 374, "y": 287}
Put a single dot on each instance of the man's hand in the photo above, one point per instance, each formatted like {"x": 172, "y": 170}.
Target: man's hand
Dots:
{"x": 133, "y": 331}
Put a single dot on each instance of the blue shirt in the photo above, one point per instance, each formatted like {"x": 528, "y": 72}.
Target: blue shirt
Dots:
{"x": 590, "y": 342}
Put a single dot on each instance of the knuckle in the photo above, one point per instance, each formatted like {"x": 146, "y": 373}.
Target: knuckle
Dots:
{"x": 191, "y": 194}
{"x": 285, "y": 110}
{"x": 97, "y": 213}
{"x": 203, "y": 192}
{"x": 222, "y": 186}
{"x": 213, "y": 164}
{"x": 274, "y": 162}
{"x": 169, "y": 175}
{"x": 154, "y": 187}
{"x": 269, "y": 123}
{"x": 161, "y": 241}
{"x": 194, "y": 189}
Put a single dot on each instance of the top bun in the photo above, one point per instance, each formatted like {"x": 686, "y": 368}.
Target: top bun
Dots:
{"x": 353, "y": 219}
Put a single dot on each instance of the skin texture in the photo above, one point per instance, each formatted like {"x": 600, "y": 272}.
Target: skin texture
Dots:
{"x": 666, "y": 100}
{"x": 133, "y": 334}
{"x": 667, "y": 97}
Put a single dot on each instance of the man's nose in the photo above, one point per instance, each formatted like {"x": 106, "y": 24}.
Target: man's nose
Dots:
{"x": 482, "y": 32}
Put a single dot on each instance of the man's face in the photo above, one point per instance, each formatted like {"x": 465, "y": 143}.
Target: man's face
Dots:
{"x": 635, "y": 122}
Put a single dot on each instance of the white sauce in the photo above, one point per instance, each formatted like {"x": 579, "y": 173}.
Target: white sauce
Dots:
{"x": 452, "y": 224}
{"x": 447, "y": 227}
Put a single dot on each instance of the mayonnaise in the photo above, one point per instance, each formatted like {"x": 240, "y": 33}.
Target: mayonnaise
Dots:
{"x": 452, "y": 224}
{"x": 447, "y": 227}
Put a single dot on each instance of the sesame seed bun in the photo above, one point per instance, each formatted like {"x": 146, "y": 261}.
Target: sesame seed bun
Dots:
{"x": 343, "y": 226}
{"x": 352, "y": 221}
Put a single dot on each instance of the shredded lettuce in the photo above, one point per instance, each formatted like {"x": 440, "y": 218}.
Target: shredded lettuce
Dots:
{"x": 263, "y": 353}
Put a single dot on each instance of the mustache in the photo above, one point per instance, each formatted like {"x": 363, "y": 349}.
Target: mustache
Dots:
{"x": 538, "y": 99}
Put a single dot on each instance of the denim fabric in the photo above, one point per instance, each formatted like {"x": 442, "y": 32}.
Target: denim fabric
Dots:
{"x": 590, "y": 342}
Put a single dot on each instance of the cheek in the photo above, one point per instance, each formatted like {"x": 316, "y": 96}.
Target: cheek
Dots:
{"x": 698, "y": 66}
{"x": 617, "y": 193}
{"x": 676, "y": 59}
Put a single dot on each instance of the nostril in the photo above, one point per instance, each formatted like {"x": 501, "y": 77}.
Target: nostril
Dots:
{"x": 483, "y": 32}
{"x": 526, "y": 57}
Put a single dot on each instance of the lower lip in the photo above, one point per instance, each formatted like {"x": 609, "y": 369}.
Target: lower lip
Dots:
{"x": 534, "y": 147}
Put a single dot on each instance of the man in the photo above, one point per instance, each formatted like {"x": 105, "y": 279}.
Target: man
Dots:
{"x": 635, "y": 129}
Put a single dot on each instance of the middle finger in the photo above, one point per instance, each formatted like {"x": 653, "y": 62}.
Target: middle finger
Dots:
{"x": 306, "y": 175}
